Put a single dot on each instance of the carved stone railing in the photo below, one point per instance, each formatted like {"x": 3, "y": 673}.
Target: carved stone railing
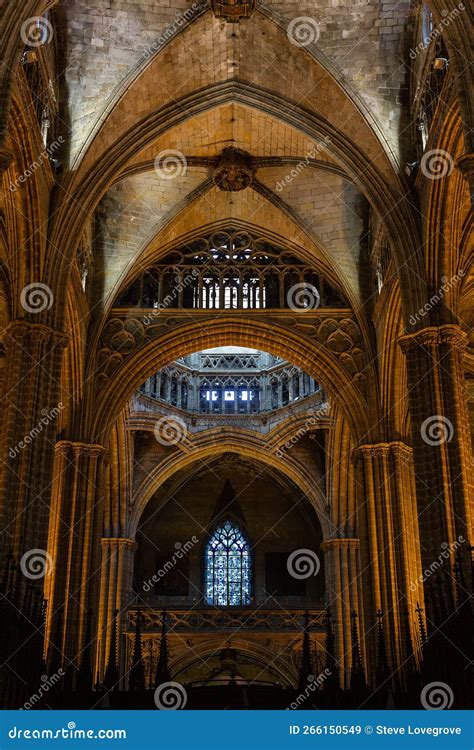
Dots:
{"x": 129, "y": 329}
{"x": 316, "y": 405}
{"x": 194, "y": 620}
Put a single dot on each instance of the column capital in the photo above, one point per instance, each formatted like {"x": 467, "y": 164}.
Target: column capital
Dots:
{"x": 434, "y": 336}
{"x": 371, "y": 450}
{"x": 66, "y": 447}
{"x": 19, "y": 330}
{"x": 338, "y": 543}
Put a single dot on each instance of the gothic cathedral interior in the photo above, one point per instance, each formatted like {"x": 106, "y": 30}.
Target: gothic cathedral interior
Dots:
{"x": 236, "y": 353}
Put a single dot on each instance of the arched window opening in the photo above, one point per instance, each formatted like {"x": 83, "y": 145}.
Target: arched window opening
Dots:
{"x": 230, "y": 271}
{"x": 227, "y": 565}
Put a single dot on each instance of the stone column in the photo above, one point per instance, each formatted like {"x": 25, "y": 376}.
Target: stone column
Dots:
{"x": 74, "y": 545}
{"x": 31, "y": 406}
{"x": 389, "y": 526}
{"x": 441, "y": 443}
{"x": 342, "y": 579}
{"x": 115, "y": 592}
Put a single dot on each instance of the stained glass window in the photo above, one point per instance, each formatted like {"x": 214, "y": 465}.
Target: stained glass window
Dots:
{"x": 227, "y": 561}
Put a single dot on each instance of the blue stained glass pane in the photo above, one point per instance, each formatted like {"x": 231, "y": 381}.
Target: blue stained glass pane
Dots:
{"x": 227, "y": 561}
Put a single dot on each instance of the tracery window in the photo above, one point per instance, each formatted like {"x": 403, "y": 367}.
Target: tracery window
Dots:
{"x": 230, "y": 270}
{"x": 227, "y": 567}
